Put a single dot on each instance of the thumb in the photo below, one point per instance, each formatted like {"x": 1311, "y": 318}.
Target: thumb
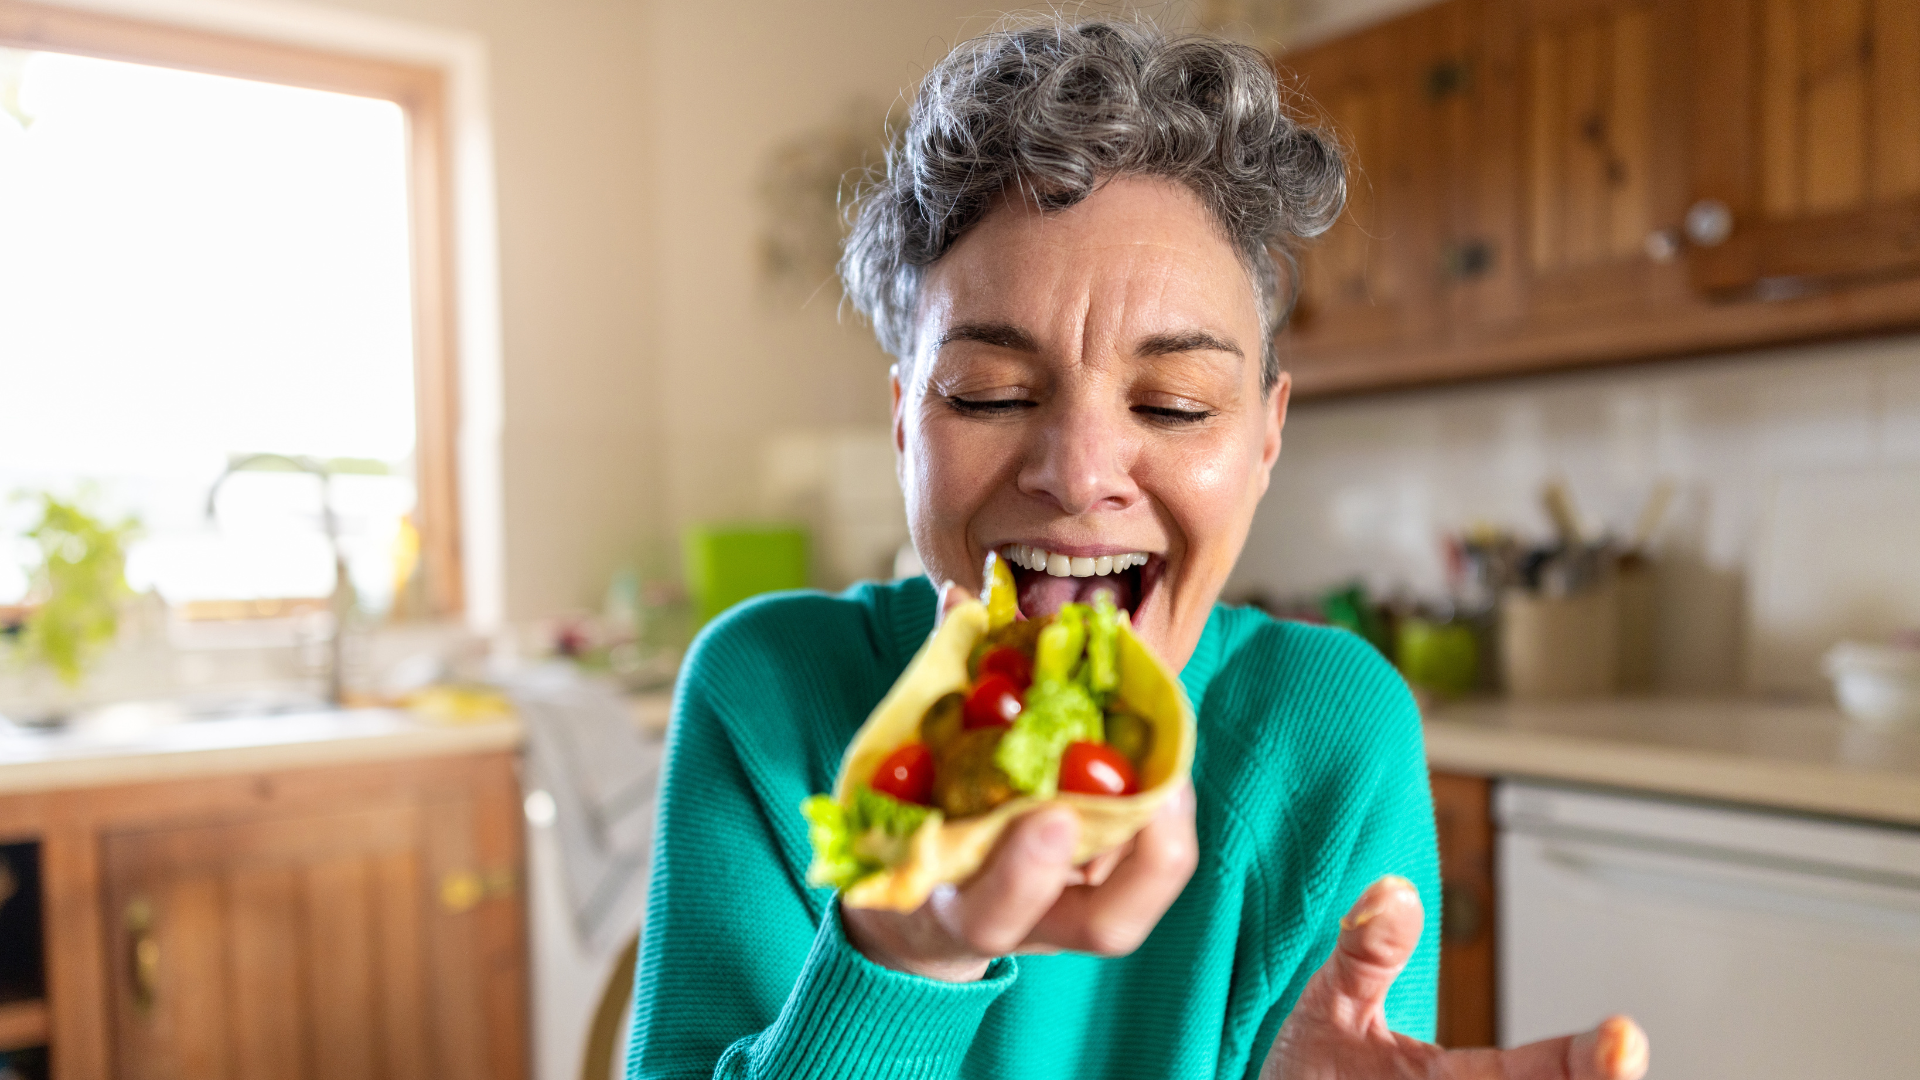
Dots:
{"x": 1377, "y": 938}
{"x": 951, "y": 596}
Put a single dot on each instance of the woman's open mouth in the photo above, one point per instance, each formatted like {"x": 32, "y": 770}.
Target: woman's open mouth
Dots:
{"x": 1048, "y": 579}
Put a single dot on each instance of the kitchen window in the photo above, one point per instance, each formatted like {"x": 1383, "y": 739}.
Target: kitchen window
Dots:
{"x": 226, "y": 256}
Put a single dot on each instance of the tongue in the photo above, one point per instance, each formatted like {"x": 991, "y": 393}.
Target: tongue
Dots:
{"x": 1043, "y": 594}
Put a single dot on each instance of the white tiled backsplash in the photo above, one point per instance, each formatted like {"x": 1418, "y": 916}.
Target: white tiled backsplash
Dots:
{"x": 1365, "y": 486}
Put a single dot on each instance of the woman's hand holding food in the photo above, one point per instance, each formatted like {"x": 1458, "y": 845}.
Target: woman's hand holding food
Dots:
{"x": 1029, "y": 897}
{"x": 1338, "y": 1029}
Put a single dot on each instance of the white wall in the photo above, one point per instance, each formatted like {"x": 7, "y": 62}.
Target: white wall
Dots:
{"x": 1365, "y": 486}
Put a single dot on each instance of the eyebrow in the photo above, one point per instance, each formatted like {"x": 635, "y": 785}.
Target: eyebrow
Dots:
{"x": 1008, "y": 336}
{"x": 1003, "y": 335}
{"x": 1186, "y": 341}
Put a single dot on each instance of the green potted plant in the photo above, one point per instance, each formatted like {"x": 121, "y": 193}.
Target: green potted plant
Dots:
{"x": 72, "y": 611}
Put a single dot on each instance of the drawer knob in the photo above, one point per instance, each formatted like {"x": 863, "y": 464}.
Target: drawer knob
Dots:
{"x": 1709, "y": 222}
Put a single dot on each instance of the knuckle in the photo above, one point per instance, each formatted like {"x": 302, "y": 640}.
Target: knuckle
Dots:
{"x": 1111, "y": 936}
{"x": 990, "y": 939}
{"x": 1177, "y": 855}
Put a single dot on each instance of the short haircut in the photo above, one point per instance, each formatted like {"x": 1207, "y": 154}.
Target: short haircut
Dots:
{"x": 1050, "y": 111}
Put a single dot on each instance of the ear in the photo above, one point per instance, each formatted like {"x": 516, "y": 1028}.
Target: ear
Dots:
{"x": 899, "y": 424}
{"x": 1276, "y": 419}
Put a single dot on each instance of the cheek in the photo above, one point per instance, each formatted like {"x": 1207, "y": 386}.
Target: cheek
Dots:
{"x": 952, "y": 470}
{"x": 1210, "y": 490}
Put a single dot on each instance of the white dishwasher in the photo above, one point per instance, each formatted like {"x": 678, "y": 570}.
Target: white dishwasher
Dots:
{"x": 1750, "y": 945}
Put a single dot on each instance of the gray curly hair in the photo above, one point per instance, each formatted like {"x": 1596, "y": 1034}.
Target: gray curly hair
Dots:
{"x": 1053, "y": 110}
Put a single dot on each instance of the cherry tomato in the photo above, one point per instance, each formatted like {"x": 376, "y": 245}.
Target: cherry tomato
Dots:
{"x": 1009, "y": 662}
{"x": 1096, "y": 769}
{"x": 907, "y": 775}
{"x": 994, "y": 702}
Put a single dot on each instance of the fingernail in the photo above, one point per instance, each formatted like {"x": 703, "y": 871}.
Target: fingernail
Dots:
{"x": 1353, "y": 920}
{"x": 1621, "y": 1050}
{"x": 1373, "y": 902}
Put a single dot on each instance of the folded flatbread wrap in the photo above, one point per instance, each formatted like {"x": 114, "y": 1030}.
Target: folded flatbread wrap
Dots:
{"x": 942, "y": 849}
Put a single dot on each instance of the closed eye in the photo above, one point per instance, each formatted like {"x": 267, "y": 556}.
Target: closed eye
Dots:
{"x": 1165, "y": 415}
{"x": 988, "y": 407}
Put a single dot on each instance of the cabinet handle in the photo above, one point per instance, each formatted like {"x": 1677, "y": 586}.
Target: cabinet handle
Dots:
{"x": 1663, "y": 245}
{"x": 1466, "y": 259}
{"x": 462, "y": 890}
{"x": 143, "y": 951}
{"x": 1447, "y": 78}
{"x": 1709, "y": 222}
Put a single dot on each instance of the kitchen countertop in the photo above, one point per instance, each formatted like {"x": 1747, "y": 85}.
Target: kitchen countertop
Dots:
{"x": 1801, "y": 757}
{"x": 133, "y": 745}
{"x": 1796, "y": 757}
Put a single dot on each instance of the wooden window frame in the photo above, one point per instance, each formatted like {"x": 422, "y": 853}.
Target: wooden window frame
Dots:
{"x": 421, "y": 93}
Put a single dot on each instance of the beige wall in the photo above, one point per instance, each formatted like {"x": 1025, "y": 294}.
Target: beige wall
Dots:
{"x": 646, "y": 372}
{"x": 738, "y": 363}
{"x": 732, "y": 82}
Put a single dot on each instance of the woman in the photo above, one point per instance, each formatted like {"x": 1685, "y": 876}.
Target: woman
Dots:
{"x": 1071, "y": 256}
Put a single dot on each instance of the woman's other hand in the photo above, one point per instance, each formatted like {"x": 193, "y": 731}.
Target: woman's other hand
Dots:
{"x": 1338, "y": 1029}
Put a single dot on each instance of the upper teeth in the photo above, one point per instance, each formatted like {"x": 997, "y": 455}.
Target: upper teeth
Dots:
{"x": 1058, "y": 565}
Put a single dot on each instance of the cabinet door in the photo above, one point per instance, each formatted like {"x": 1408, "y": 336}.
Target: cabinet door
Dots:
{"x": 1581, "y": 165}
{"x": 1464, "y": 824}
{"x": 1808, "y": 131}
{"x": 341, "y": 944}
{"x": 1367, "y": 285}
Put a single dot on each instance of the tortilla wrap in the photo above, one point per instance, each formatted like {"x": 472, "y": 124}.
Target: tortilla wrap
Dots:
{"x": 942, "y": 851}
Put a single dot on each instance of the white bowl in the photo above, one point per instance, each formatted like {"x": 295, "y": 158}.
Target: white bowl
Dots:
{"x": 1876, "y": 684}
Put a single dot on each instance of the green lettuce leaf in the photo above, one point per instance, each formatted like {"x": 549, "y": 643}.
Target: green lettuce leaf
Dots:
{"x": 851, "y": 842}
{"x": 1057, "y": 713}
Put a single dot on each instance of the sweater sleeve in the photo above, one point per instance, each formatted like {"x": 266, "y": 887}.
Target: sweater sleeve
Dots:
{"x": 744, "y": 971}
{"x": 1376, "y": 819}
{"x": 1398, "y": 838}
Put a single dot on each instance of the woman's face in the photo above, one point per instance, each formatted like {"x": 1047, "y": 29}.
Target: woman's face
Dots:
{"x": 1086, "y": 401}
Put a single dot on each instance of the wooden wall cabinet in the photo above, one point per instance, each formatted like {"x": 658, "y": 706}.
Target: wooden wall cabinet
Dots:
{"x": 1576, "y": 182}
{"x": 1363, "y": 286}
{"x": 346, "y": 921}
{"x": 1809, "y": 133}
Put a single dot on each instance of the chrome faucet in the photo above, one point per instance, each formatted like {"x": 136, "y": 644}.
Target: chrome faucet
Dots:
{"x": 340, "y": 602}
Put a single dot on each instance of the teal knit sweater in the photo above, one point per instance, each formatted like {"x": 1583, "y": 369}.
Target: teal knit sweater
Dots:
{"x": 1310, "y": 783}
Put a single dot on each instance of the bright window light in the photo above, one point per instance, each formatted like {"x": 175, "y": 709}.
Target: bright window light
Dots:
{"x": 194, "y": 269}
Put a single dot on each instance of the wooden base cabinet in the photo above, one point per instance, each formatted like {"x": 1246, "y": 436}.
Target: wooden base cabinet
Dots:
{"x": 1463, "y": 819}
{"x": 359, "y": 921}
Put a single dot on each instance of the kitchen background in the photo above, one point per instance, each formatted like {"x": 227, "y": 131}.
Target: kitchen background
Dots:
{"x": 651, "y": 345}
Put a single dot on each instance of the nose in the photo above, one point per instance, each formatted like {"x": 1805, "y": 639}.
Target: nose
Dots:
{"x": 1082, "y": 458}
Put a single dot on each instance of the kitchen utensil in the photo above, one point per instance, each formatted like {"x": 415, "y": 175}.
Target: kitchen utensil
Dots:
{"x": 1566, "y": 520}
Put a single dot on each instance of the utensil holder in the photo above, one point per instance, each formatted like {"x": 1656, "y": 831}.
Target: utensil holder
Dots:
{"x": 1635, "y": 599}
{"x": 1556, "y": 647}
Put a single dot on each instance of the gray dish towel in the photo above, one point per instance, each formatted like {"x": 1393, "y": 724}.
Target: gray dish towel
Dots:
{"x": 584, "y": 749}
